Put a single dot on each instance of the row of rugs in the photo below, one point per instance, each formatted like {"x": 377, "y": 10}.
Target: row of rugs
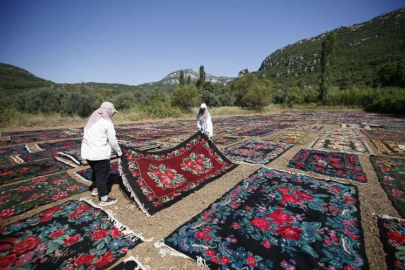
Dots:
{"x": 157, "y": 183}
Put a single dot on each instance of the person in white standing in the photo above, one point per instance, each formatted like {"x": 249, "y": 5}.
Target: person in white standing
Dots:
{"x": 98, "y": 140}
{"x": 204, "y": 122}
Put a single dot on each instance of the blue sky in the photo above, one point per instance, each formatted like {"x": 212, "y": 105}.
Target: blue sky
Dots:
{"x": 139, "y": 41}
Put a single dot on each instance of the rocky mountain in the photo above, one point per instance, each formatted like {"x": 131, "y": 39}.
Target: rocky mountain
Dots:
{"x": 172, "y": 79}
{"x": 359, "y": 50}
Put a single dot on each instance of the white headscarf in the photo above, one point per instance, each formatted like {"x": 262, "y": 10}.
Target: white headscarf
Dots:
{"x": 105, "y": 111}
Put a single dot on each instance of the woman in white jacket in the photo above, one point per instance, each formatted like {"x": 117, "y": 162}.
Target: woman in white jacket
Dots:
{"x": 204, "y": 122}
{"x": 98, "y": 140}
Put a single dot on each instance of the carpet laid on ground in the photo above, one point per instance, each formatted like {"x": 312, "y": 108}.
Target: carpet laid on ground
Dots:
{"x": 67, "y": 144}
{"x": 74, "y": 235}
{"x": 257, "y": 132}
{"x": 334, "y": 164}
{"x": 348, "y": 146}
{"x": 392, "y": 234}
{"x": 18, "y": 198}
{"x": 23, "y": 171}
{"x": 157, "y": 180}
{"x": 391, "y": 175}
{"x": 255, "y": 151}
{"x": 276, "y": 220}
{"x": 13, "y": 150}
{"x": 225, "y": 140}
{"x": 391, "y": 148}
{"x": 383, "y": 134}
{"x": 292, "y": 136}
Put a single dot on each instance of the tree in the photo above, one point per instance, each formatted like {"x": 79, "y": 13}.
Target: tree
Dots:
{"x": 181, "y": 77}
{"x": 391, "y": 74}
{"x": 328, "y": 47}
{"x": 257, "y": 96}
{"x": 188, "y": 79}
{"x": 185, "y": 96}
{"x": 201, "y": 80}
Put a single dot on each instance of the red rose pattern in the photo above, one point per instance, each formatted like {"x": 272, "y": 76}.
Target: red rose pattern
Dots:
{"x": 289, "y": 232}
{"x": 26, "y": 245}
{"x": 57, "y": 233}
{"x": 70, "y": 240}
{"x": 104, "y": 260}
{"x": 260, "y": 223}
{"x": 85, "y": 259}
{"x": 97, "y": 235}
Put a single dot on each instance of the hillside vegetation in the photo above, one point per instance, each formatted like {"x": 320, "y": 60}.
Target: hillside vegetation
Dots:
{"x": 362, "y": 66}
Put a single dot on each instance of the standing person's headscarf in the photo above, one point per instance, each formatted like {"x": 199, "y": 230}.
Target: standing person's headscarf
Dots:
{"x": 105, "y": 111}
{"x": 203, "y": 114}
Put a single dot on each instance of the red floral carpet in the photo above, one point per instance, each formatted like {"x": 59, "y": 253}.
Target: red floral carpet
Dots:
{"x": 23, "y": 171}
{"x": 74, "y": 235}
{"x": 277, "y": 220}
{"x": 157, "y": 180}
{"x": 392, "y": 233}
{"x": 391, "y": 175}
{"x": 18, "y": 198}
{"x": 334, "y": 164}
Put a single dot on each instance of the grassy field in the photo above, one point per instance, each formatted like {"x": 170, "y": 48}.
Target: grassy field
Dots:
{"x": 13, "y": 119}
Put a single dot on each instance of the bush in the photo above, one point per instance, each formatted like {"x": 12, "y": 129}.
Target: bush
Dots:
{"x": 185, "y": 97}
{"x": 124, "y": 100}
{"x": 387, "y": 100}
{"x": 79, "y": 101}
{"x": 257, "y": 96}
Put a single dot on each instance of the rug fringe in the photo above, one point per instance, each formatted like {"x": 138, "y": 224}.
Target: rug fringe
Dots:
{"x": 165, "y": 249}
{"x": 140, "y": 265}
{"x": 388, "y": 217}
{"x": 66, "y": 162}
{"x": 81, "y": 177}
{"x": 201, "y": 262}
{"x": 129, "y": 189}
{"x": 34, "y": 149}
{"x": 17, "y": 159}
{"x": 69, "y": 156}
{"x": 124, "y": 229}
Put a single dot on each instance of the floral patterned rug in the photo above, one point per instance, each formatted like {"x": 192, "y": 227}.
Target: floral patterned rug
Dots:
{"x": 13, "y": 150}
{"x": 392, "y": 234}
{"x": 157, "y": 180}
{"x": 391, "y": 175}
{"x": 18, "y": 198}
{"x": 226, "y": 140}
{"x": 383, "y": 134}
{"x": 348, "y": 146}
{"x": 256, "y": 151}
{"x": 74, "y": 235}
{"x": 23, "y": 171}
{"x": 67, "y": 144}
{"x": 292, "y": 136}
{"x": 257, "y": 132}
{"x": 334, "y": 164}
{"x": 277, "y": 220}
{"x": 7, "y": 161}
{"x": 391, "y": 148}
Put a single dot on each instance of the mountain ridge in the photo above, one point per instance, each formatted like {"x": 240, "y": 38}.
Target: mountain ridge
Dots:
{"x": 360, "y": 49}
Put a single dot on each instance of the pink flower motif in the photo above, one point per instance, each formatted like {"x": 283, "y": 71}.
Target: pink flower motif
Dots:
{"x": 397, "y": 193}
{"x": 60, "y": 195}
{"x": 6, "y": 213}
{"x": 25, "y": 258}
